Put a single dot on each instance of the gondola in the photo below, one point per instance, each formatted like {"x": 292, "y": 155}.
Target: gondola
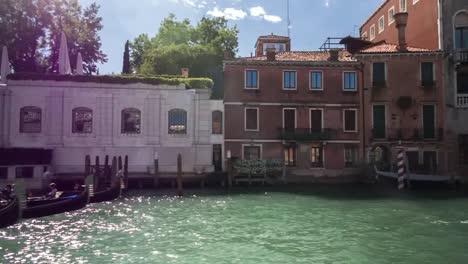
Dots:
{"x": 65, "y": 203}
{"x": 9, "y": 213}
{"x": 108, "y": 194}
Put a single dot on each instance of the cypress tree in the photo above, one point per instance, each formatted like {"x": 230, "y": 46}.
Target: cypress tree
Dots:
{"x": 126, "y": 59}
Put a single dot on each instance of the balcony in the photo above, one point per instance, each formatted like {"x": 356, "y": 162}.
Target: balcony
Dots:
{"x": 379, "y": 84}
{"x": 462, "y": 100}
{"x": 461, "y": 56}
{"x": 428, "y": 84}
{"x": 409, "y": 134}
{"x": 304, "y": 134}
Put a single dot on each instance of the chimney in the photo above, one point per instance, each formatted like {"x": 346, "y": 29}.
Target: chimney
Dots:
{"x": 401, "y": 20}
{"x": 271, "y": 54}
{"x": 333, "y": 54}
{"x": 227, "y": 55}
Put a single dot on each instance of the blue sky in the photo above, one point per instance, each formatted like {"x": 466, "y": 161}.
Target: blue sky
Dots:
{"x": 312, "y": 21}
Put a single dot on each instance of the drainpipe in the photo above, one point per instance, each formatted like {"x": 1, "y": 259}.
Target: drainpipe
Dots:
{"x": 363, "y": 110}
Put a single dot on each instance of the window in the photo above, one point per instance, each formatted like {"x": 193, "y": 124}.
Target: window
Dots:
{"x": 251, "y": 119}
{"x": 351, "y": 156}
{"x": 427, "y": 74}
{"x": 378, "y": 74}
{"x": 364, "y": 35}
{"x": 217, "y": 122}
{"x": 82, "y": 120}
{"x": 289, "y": 80}
{"x": 402, "y": 5}
{"x": 30, "y": 119}
{"x": 316, "y": 80}
{"x": 430, "y": 161}
{"x": 463, "y": 149}
{"x": 131, "y": 121}
{"x": 429, "y": 122}
{"x": 290, "y": 155}
{"x": 350, "y": 120}
{"x": 462, "y": 82}
{"x": 251, "y": 79}
{"x": 349, "y": 81}
{"x": 461, "y": 38}
{"x": 279, "y": 47}
{"x": 3, "y": 172}
{"x": 316, "y": 153}
{"x": 252, "y": 152}
{"x": 391, "y": 15}
{"x": 289, "y": 119}
{"x": 24, "y": 172}
{"x": 372, "y": 32}
{"x": 177, "y": 121}
{"x": 316, "y": 120}
{"x": 381, "y": 24}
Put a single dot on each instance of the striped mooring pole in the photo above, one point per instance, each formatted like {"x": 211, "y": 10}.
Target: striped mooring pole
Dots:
{"x": 401, "y": 168}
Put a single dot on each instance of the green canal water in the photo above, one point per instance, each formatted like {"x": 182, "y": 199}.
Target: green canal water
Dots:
{"x": 320, "y": 225}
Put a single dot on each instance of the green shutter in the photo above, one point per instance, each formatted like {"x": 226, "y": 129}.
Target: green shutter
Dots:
{"x": 427, "y": 72}
{"x": 378, "y": 72}
{"x": 379, "y": 121}
{"x": 429, "y": 121}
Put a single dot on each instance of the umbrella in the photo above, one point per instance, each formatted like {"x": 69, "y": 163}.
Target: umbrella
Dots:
{"x": 64, "y": 59}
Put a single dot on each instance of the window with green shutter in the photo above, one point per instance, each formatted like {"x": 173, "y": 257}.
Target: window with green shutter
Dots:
{"x": 378, "y": 74}
{"x": 427, "y": 74}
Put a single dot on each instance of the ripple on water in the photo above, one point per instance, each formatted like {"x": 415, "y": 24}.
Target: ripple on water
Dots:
{"x": 247, "y": 228}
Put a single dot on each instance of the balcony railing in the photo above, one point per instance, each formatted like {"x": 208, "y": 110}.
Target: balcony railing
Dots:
{"x": 379, "y": 84}
{"x": 461, "y": 56}
{"x": 428, "y": 84}
{"x": 409, "y": 134}
{"x": 305, "y": 134}
{"x": 462, "y": 100}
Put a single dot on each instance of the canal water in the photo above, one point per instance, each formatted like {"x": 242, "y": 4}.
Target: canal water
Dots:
{"x": 326, "y": 224}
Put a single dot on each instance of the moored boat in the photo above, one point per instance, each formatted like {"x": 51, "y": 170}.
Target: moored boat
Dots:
{"x": 44, "y": 207}
{"x": 418, "y": 180}
{"x": 9, "y": 213}
{"x": 107, "y": 194}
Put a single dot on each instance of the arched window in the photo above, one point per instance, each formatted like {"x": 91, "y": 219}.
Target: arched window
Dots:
{"x": 131, "y": 121}
{"x": 82, "y": 119}
{"x": 177, "y": 121}
{"x": 30, "y": 119}
{"x": 461, "y": 30}
{"x": 217, "y": 122}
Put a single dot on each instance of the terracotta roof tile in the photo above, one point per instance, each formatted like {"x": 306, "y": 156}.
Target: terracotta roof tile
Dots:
{"x": 273, "y": 37}
{"x": 382, "y": 47}
{"x": 302, "y": 56}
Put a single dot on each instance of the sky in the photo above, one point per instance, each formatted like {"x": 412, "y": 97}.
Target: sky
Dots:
{"x": 312, "y": 21}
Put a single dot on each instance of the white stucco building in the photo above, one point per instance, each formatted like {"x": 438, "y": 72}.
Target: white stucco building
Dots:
{"x": 142, "y": 121}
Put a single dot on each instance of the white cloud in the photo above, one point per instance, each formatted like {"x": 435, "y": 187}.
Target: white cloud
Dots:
{"x": 228, "y": 13}
{"x": 190, "y": 3}
{"x": 327, "y": 3}
{"x": 272, "y": 18}
{"x": 258, "y": 11}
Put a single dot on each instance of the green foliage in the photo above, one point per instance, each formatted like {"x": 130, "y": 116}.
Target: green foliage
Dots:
{"x": 126, "y": 68}
{"x": 190, "y": 83}
{"x": 178, "y": 45}
{"x": 31, "y": 29}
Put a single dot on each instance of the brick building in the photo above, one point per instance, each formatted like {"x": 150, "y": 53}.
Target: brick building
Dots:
{"x": 423, "y": 29}
{"x": 299, "y": 107}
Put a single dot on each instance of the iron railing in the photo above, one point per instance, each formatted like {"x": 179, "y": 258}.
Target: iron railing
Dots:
{"x": 408, "y": 134}
{"x": 305, "y": 134}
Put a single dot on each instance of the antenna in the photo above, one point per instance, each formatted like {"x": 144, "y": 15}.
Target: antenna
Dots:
{"x": 289, "y": 22}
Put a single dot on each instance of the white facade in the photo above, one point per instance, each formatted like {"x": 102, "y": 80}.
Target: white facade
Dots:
{"x": 58, "y": 99}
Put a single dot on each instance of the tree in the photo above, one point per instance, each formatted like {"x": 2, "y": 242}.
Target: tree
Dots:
{"x": 31, "y": 29}
{"x": 180, "y": 45}
{"x": 126, "y": 68}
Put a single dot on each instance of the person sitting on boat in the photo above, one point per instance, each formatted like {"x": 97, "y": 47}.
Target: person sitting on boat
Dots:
{"x": 53, "y": 191}
{"x": 7, "y": 192}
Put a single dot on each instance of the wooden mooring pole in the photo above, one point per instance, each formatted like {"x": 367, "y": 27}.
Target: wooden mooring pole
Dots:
{"x": 156, "y": 170}
{"x": 179, "y": 176}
